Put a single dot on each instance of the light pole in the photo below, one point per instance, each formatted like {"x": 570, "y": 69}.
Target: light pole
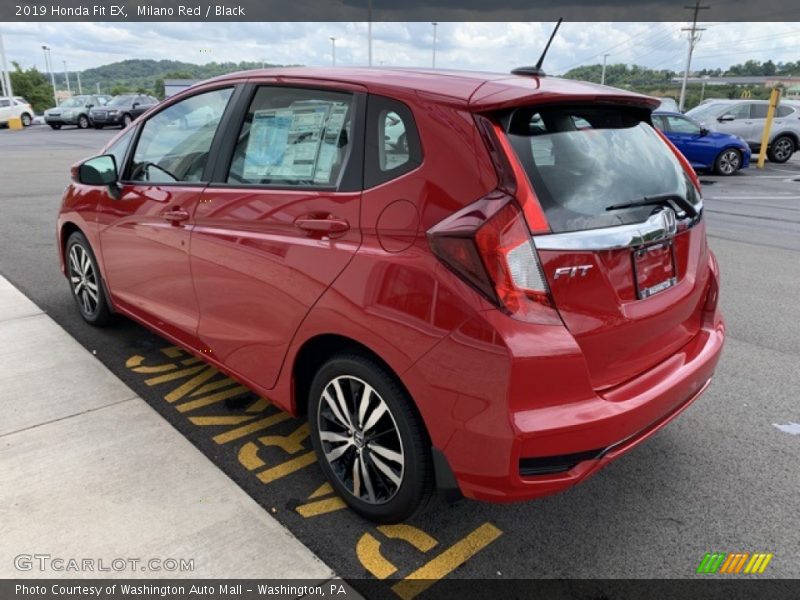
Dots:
{"x": 369, "y": 32}
{"x": 80, "y": 89}
{"x": 703, "y": 88}
{"x": 49, "y": 68}
{"x": 333, "y": 50}
{"x": 433, "y": 62}
{"x": 66, "y": 77}
{"x": 603, "y": 76}
{"x": 5, "y": 76}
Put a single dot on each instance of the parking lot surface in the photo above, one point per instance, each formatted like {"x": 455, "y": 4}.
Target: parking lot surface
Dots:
{"x": 722, "y": 477}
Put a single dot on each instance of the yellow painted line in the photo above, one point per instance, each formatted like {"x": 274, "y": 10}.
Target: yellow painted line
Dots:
{"x": 240, "y": 432}
{"x": 416, "y": 537}
{"x": 446, "y": 562}
{"x": 323, "y": 490}
{"x": 135, "y": 364}
{"x": 320, "y": 507}
{"x": 755, "y": 562}
{"x": 291, "y": 444}
{"x": 368, "y": 550}
{"x": 190, "y": 361}
{"x": 214, "y": 385}
{"x": 290, "y": 466}
{"x": 218, "y": 397}
{"x": 174, "y": 375}
{"x": 259, "y": 405}
{"x": 764, "y": 564}
{"x": 172, "y": 351}
{"x": 248, "y": 456}
{"x": 222, "y": 420}
{"x": 183, "y": 389}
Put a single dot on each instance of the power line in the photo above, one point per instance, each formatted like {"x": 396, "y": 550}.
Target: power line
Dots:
{"x": 623, "y": 43}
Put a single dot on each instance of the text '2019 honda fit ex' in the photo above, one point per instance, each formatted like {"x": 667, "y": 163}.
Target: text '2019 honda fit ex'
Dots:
{"x": 484, "y": 283}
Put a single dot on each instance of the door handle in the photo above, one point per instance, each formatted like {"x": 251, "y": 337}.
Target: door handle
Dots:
{"x": 175, "y": 215}
{"x": 322, "y": 224}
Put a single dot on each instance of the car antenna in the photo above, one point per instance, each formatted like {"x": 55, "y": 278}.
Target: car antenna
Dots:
{"x": 536, "y": 70}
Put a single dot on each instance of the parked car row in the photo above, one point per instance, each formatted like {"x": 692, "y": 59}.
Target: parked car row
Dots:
{"x": 15, "y": 107}
{"x": 98, "y": 110}
{"x": 720, "y": 135}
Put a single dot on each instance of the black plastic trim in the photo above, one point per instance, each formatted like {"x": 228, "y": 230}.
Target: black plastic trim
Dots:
{"x": 545, "y": 465}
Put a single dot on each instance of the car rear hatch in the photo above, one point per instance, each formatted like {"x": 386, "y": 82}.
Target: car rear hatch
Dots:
{"x": 625, "y": 261}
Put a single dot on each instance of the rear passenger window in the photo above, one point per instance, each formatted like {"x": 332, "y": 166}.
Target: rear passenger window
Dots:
{"x": 293, "y": 137}
{"x": 759, "y": 111}
{"x": 393, "y": 146}
{"x": 784, "y": 111}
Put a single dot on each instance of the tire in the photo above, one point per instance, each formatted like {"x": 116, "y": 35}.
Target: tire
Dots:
{"x": 26, "y": 119}
{"x": 728, "y": 162}
{"x": 96, "y": 126}
{"x": 391, "y": 484}
{"x": 126, "y": 120}
{"x": 55, "y": 126}
{"x": 83, "y": 121}
{"x": 781, "y": 149}
{"x": 84, "y": 278}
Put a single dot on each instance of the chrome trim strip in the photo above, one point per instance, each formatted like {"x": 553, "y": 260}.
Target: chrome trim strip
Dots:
{"x": 660, "y": 226}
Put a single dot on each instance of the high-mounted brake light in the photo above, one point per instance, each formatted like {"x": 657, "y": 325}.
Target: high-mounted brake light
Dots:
{"x": 489, "y": 246}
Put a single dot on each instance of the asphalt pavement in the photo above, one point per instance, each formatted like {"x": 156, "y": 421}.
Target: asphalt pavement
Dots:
{"x": 723, "y": 477}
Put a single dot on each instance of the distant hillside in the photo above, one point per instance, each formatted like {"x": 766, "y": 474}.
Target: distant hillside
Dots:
{"x": 138, "y": 74}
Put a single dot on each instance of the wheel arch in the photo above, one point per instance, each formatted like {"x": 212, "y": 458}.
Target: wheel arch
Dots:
{"x": 316, "y": 350}
{"x": 791, "y": 135}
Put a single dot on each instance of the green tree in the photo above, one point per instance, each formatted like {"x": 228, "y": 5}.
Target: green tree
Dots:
{"x": 33, "y": 86}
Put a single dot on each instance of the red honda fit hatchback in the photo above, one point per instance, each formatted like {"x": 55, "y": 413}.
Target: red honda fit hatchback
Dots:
{"x": 490, "y": 284}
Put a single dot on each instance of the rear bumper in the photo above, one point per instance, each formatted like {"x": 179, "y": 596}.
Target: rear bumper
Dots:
{"x": 501, "y": 453}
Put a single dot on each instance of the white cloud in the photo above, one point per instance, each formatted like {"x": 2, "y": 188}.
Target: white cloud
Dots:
{"x": 482, "y": 46}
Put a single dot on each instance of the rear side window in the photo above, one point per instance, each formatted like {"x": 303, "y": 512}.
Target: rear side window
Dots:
{"x": 784, "y": 111}
{"x": 393, "y": 146}
{"x": 583, "y": 160}
{"x": 294, "y": 137}
{"x": 175, "y": 143}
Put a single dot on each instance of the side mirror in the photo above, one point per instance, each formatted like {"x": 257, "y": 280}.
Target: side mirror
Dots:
{"x": 100, "y": 170}
{"x": 726, "y": 118}
{"x": 135, "y": 105}
{"x": 703, "y": 132}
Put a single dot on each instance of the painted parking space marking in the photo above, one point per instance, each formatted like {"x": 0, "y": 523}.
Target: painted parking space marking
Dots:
{"x": 270, "y": 446}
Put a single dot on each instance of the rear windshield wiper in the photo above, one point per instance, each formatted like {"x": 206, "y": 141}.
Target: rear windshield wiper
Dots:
{"x": 658, "y": 199}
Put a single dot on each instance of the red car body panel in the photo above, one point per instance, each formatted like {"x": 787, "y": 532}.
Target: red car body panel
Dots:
{"x": 238, "y": 284}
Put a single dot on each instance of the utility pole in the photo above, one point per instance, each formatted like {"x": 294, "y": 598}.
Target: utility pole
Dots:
{"x": 433, "y": 62}
{"x": 369, "y": 32}
{"x": 66, "y": 76}
{"x": 5, "y": 76}
{"x": 48, "y": 65}
{"x": 80, "y": 89}
{"x": 98, "y": 87}
{"x": 333, "y": 50}
{"x": 603, "y": 75}
{"x": 694, "y": 37}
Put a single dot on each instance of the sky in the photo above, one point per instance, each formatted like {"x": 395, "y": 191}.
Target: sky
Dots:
{"x": 480, "y": 46}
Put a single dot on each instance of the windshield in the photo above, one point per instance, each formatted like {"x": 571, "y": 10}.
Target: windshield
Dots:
{"x": 120, "y": 101}
{"x": 583, "y": 160}
{"x": 74, "y": 102}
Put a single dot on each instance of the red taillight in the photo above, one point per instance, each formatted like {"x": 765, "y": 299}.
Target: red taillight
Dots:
{"x": 687, "y": 167}
{"x": 712, "y": 296}
{"x": 488, "y": 245}
{"x": 510, "y": 174}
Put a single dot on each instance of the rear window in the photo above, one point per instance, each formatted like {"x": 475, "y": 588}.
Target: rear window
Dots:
{"x": 582, "y": 160}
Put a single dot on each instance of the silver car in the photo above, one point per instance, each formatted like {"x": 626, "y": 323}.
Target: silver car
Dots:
{"x": 74, "y": 111}
{"x": 746, "y": 118}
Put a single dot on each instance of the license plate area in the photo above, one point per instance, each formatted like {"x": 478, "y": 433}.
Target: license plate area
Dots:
{"x": 654, "y": 268}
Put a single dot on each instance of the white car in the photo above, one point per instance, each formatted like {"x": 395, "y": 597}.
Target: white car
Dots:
{"x": 15, "y": 107}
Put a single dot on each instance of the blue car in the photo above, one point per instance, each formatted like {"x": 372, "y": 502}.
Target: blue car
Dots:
{"x": 719, "y": 152}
